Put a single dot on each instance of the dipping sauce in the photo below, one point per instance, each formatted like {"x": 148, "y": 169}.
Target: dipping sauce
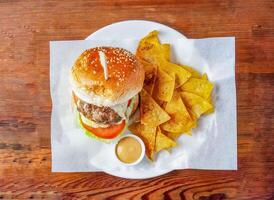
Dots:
{"x": 128, "y": 150}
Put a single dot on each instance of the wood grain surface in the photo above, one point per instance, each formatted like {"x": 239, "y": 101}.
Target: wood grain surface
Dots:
{"x": 26, "y": 27}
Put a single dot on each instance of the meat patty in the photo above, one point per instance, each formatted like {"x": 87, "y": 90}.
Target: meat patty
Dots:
{"x": 102, "y": 115}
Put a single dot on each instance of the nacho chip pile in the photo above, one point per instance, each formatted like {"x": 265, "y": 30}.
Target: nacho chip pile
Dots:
{"x": 173, "y": 97}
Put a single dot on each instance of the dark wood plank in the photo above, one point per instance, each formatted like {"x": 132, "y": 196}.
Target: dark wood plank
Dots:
{"x": 25, "y": 105}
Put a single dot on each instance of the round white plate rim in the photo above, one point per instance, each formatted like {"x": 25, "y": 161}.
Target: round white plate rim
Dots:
{"x": 103, "y": 33}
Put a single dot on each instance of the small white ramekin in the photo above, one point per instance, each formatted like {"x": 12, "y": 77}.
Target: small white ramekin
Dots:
{"x": 142, "y": 146}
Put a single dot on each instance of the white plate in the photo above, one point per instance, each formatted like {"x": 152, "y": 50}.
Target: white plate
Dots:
{"x": 136, "y": 29}
{"x": 213, "y": 144}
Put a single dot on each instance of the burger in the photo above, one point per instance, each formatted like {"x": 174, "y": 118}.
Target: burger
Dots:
{"x": 105, "y": 85}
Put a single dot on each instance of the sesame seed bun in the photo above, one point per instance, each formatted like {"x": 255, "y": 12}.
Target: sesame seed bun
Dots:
{"x": 125, "y": 76}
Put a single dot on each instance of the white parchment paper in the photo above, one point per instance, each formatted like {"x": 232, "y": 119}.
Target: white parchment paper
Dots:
{"x": 213, "y": 144}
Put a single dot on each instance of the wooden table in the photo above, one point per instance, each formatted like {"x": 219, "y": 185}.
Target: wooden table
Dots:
{"x": 25, "y": 105}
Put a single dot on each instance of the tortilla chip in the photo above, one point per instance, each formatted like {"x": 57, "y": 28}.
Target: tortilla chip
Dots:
{"x": 151, "y": 113}
{"x": 150, "y": 76}
{"x": 181, "y": 121}
{"x": 194, "y": 73}
{"x": 166, "y": 112}
{"x": 152, "y": 51}
{"x": 162, "y": 141}
{"x": 181, "y": 74}
{"x": 210, "y": 110}
{"x": 166, "y": 51}
{"x": 149, "y": 47}
{"x": 209, "y": 99}
{"x": 147, "y": 134}
{"x": 195, "y": 103}
{"x": 197, "y": 86}
{"x": 164, "y": 86}
{"x": 204, "y": 76}
{"x": 173, "y": 136}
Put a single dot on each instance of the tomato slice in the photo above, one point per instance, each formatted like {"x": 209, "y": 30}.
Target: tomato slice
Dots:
{"x": 106, "y": 133}
{"x": 75, "y": 98}
{"x": 129, "y": 102}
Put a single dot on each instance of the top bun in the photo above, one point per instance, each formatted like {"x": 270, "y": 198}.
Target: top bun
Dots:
{"x": 125, "y": 76}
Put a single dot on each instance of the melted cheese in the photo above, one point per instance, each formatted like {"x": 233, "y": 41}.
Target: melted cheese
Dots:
{"x": 123, "y": 110}
{"x": 95, "y": 124}
{"x": 120, "y": 109}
